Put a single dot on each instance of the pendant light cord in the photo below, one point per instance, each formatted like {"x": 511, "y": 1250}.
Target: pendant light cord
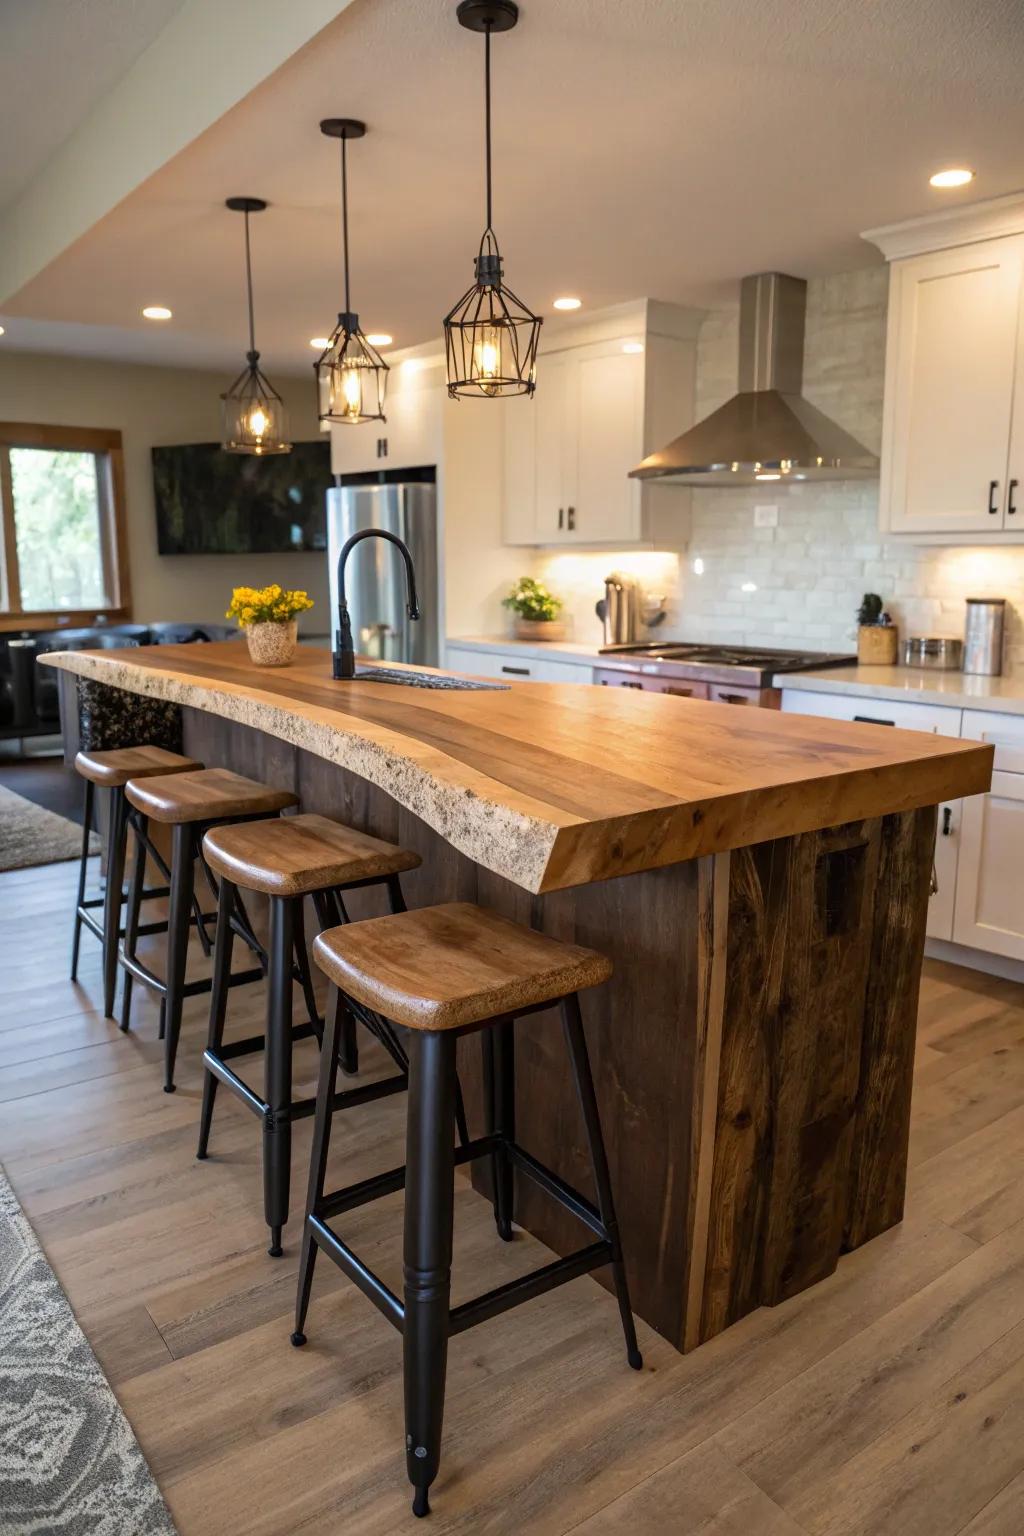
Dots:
{"x": 344, "y": 217}
{"x": 487, "y": 114}
{"x": 248, "y": 283}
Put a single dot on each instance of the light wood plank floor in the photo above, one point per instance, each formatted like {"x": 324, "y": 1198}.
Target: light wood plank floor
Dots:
{"x": 888, "y": 1399}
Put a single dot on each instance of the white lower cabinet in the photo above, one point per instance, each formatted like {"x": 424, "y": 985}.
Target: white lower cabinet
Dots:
{"x": 989, "y": 912}
{"x": 512, "y": 667}
{"x": 979, "y": 842}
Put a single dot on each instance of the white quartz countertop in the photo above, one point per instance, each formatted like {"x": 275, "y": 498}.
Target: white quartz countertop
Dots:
{"x": 538, "y": 650}
{"x": 913, "y": 685}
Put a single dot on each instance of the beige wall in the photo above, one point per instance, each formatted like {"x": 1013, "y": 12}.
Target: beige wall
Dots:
{"x": 152, "y": 406}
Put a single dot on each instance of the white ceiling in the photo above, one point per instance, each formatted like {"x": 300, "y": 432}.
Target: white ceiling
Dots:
{"x": 57, "y": 60}
{"x": 654, "y": 148}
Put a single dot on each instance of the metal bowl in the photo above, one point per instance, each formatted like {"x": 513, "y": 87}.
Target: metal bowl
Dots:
{"x": 935, "y": 652}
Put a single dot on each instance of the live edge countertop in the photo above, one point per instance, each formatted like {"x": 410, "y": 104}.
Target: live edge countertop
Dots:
{"x": 555, "y": 785}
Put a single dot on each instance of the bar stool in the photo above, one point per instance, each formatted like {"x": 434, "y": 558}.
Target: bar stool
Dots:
{"x": 441, "y": 972}
{"x": 111, "y": 771}
{"x": 287, "y": 860}
{"x": 188, "y": 803}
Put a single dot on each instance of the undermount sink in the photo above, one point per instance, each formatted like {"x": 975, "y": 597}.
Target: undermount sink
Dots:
{"x": 425, "y": 680}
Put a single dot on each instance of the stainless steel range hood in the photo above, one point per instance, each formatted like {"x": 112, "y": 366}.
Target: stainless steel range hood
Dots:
{"x": 768, "y": 431}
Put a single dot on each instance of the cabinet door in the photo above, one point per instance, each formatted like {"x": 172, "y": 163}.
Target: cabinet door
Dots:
{"x": 989, "y": 912}
{"x": 953, "y": 355}
{"x": 555, "y": 427}
{"x": 519, "y": 507}
{"x": 942, "y": 904}
{"x": 604, "y": 504}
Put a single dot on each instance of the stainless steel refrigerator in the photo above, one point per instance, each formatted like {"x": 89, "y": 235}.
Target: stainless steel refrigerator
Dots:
{"x": 403, "y": 502}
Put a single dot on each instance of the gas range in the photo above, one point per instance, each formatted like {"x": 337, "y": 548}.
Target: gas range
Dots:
{"x": 749, "y": 665}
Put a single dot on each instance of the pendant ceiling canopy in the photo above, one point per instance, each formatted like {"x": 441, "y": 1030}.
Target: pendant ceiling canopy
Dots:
{"x": 254, "y": 417}
{"x": 490, "y": 335}
{"x": 351, "y": 375}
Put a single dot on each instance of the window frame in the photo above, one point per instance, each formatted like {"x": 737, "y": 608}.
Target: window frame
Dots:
{"x": 106, "y": 445}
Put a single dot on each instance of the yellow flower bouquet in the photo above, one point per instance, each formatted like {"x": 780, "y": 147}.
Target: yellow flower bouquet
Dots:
{"x": 269, "y": 617}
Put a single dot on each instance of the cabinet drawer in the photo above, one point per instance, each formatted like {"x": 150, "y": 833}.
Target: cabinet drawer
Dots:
{"x": 1004, "y": 732}
{"x": 939, "y": 719}
{"x": 757, "y": 698}
{"x": 511, "y": 667}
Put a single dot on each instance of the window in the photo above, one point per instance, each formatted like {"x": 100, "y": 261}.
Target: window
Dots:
{"x": 62, "y": 514}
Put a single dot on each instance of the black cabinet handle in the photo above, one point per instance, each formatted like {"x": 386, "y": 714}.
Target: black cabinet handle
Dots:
{"x": 561, "y": 517}
{"x": 517, "y": 671}
{"x": 992, "y": 508}
{"x": 1010, "y": 508}
{"x": 732, "y": 698}
{"x": 571, "y": 520}
{"x": 873, "y": 720}
{"x": 947, "y": 821}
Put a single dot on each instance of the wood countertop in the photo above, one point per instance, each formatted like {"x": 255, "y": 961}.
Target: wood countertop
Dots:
{"x": 555, "y": 785}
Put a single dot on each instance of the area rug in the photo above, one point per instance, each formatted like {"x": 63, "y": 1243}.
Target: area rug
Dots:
{"x": 69, "y": 1462}
{"x": 30, "y": 834}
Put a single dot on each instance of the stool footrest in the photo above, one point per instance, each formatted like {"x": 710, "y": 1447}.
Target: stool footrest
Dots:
{"x": 299, "y": 1109}
{"x": 491, "y": 1303}
{"x": 253, "y": 1043}
{"x": 191, "y": 988}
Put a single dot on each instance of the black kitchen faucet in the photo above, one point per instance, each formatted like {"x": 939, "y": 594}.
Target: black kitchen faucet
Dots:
{"x": 344, "y": 652}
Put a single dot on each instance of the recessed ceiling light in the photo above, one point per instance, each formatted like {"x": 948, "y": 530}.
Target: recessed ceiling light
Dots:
{"x": 321, "y": 343}
{"x": 632, "y": 346}
{"x": 2, "y": 331}
{"x": 380, "y": 339}
{"x": 568, "y": 303}
{"x": 955, "y": 176}
{"x": 156, "y": 312}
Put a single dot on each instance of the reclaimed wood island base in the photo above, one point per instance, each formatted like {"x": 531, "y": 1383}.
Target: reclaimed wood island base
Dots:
{"x": 760, "y": 882}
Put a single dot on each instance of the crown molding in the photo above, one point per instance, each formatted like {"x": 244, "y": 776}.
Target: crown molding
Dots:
{"x": 962, "y": 225}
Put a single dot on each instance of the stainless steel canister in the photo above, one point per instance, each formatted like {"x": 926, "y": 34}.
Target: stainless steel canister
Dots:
{"x": 983, "y": 635}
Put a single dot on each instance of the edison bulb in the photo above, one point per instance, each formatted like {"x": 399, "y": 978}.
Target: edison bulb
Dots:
{"x": 487, "y": 359}
{"x": 351, "y": 393}
{"x": 258, "y": 421}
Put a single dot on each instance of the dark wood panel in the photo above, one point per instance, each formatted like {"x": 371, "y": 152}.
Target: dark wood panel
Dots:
{"x": 878, "y": 1167}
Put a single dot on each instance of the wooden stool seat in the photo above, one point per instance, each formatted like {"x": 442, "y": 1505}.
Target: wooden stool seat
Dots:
{"x": 211, "y": 794}
{"x": 112, "y": 770}
{"x": 445, "y": 967}
{"x": 296, "y": 855}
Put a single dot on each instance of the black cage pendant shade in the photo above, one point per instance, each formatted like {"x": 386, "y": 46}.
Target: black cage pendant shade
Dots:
{"x": 255, "y": 418}
{"x": 490, "y": 336}
{"x": 351, "y": 375}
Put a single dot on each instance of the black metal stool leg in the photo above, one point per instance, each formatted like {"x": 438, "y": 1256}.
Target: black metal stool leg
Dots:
{"x": 116, "y": 834}
{"x": 83, "y": 869}
{"x": 182, "y": 886}
{"x": 504, "y": 1124}
{"x": 427, "y": 1253}
{"x": 576, "y": 1041}
{"x": 222, "y": 951}
{"x": 302, "y": 963}
{"x": 277, "y": 1064}
{"x": 318, "y": 1154}
{"x": 131, "y": 920}
{"x": 349, "y": 1046}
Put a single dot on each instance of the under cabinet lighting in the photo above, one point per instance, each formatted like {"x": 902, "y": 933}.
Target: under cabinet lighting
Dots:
{"x": 955, "y": 176}
{"x": 156, "y": 312}
{"x": 698, "y": 566}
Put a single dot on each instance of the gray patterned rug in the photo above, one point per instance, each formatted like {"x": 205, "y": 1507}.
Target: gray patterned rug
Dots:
{"x": 69, "y": 1462}
{"x": 30, "y": 834}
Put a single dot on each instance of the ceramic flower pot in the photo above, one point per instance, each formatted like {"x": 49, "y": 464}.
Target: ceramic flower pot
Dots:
{"x": 539, "y": 629}
{"x": 272, "y": 644}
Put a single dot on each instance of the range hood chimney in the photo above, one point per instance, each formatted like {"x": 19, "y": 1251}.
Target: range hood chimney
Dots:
{"x": 768, "y": 431}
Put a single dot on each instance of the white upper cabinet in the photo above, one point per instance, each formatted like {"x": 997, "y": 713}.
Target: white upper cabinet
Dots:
{"x": 409, "y": 438}
{"x": 953, "y": 436}
{"x": 601, "y": 405}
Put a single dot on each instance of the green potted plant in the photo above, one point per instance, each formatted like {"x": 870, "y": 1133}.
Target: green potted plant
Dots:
{"x": 536, "y": 611}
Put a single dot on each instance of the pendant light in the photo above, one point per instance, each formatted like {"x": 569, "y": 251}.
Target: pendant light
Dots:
{"x": 351, "y": 375}
{"x": 490, "y": 336}
{"x": 255, "y": 419}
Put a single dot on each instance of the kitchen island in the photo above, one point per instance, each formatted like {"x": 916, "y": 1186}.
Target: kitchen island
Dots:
{"x": 760, "y": 882}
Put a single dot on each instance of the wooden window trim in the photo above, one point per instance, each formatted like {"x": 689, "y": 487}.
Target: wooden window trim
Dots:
{"x": 107, "y": 445}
